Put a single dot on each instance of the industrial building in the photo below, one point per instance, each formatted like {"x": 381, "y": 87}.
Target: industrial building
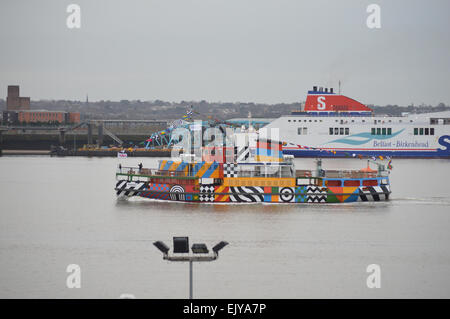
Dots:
{"x": 35, "y": 116}
{"x": 18, "y": 111}
{"x": 14, "y": 101}
{"x": 40, "y": 116}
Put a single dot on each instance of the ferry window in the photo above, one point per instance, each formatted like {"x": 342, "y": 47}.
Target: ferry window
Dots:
{"x": 347, "y": 131}
{"x": 384, "y": 131}
{"x": 363, "y": 121}
{"x": 333, "y": 183}
{"x": 373, "y": 131}
{"x": 352, "y": 182}
{"x": 289, "y": 120}
{"x": 310, "y": 120}
{"x": 294, "y": 120}
{"x": 421, "y": 131}
{"x": 353, "y": 121}
{"x": 374, "y": 121}
{"x": 331, "y": 131}
{"x": 299, "y": 131}
{"x": 370, "y": 182}
{"x": 305, "y": 130}
{"x": 341, "y": 131}
{"x": 378, "y": 130}
{"x": 336, "y": 131}
{"x": 416, "y": 131}
{"x": 427, "y": 131}
{"x": 432, "y": 131}
{"x": 389, "y": 131}
{"x": 315, "y": 120}
{"x": 399, "y": 121}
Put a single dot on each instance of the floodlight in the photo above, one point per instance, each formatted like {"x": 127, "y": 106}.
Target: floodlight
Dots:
{"x": 219, "y": 246}
{"x": 181, "y": 254}
{"x": 161, "y": 246}
{"x": 181, "y": 244}
{"x": 199, "y": 249}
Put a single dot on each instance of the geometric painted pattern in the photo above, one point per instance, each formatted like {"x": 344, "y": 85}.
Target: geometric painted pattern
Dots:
{"x": 271, "y": 194}
{"x": 316, "y": 194}
{"x": 206, "y": 193}
{"x": 373, "y": 193}
{"x": 300, "y": 194}
{"x": 156, "y": 191}
{"x": 158, "y": 187}
{"x": 243, "y": 194}
{"x": 191, "y": 195}
{"x": 126, "y": 188}
{"x": 342, "y": 194}
{"x": 243, "y": 154}
{"x": 177, "y": 192}
{"x": 230, "y": 170}
{"x": 218, "y": 197}
{"x": 287, "y": 195}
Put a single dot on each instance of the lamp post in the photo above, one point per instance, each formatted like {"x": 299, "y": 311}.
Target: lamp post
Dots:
{"x": 181, "y": 253}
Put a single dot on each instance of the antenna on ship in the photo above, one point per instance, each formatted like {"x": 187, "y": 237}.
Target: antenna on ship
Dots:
{"x": 339, "y": 87}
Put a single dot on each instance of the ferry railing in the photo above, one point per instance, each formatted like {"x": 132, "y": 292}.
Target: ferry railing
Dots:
{"x": 128, "y": 170}
{"x": 349, "y": 174}
{"x": 339, "y": 174}
{"x": 171, "y": 173}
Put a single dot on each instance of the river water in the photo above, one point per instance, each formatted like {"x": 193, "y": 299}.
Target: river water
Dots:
{"x": 61, "y": 211}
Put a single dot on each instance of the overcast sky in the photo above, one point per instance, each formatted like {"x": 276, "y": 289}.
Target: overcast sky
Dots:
{"x": 226, "y": 50}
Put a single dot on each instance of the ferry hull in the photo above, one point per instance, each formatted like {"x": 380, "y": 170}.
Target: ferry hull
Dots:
{"x": 254, "y": 194}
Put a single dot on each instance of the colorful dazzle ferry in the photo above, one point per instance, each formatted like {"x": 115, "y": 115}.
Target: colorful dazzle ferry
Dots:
{"x": 254, "y": 172}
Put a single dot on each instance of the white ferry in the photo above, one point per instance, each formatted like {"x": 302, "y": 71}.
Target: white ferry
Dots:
{"x": 333, "y": 125}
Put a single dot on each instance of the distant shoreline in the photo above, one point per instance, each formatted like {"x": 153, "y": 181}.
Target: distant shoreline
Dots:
{"x": 85, "y": 153}
{"x": 24, "y": 152}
